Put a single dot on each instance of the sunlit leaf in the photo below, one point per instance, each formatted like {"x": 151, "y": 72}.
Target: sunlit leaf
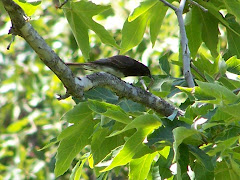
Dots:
{"x": 142, "y": 8}
{"x": 139, "y": 168}
{"x": 133, "y": 31}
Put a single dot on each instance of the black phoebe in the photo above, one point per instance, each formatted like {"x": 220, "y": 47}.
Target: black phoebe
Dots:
{"x": 119, "y": 65}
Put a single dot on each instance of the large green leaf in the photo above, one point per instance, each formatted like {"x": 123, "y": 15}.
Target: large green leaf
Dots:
{"x": 79, "y": 15}
{"x": 210, "y": 31}
{"x": 80, "y": 112}
{"x": 233, "y": 7}
{"x": 194, "y": 30}
{"x": 102, "y": 145}
{"x": 146, "y": 121}
{"x": 139, "y": 168}
{"x": 132, "y": 32}
{"x": 109, "y": 110}
{"x": 182, "y": 134}
{"x": 203, "y": 162}
{"x": 135, "y": 143}
{"x": 73, "y": 139}
{"x": 223, "y": 171}
{"x": 213, "y": 7}
{"x": 221, "y": 93}
{"x": 233, "y": 110}
{"x": 158, "y": 13}
{"x": 233, "y": 38}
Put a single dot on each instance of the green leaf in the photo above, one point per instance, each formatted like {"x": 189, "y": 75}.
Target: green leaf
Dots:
{"x": 109, "y": 110}
{"x": 164, "y": 162}
{"x": 80, "y": 112}
{"x": 210, "y": 31}
{"x": 158, "y": 13}
{"x": 233, "y": 38}
{"x": 77, "y": 170}
{"x": 214, "y": 8}
{"x": 233, "y": 7}
{"x": 205, "y": 65}
{"x": 102, "y": 94}
{"x": 135, "y": 143}
{"x": 132, "y": 32}
{"x": 144, "y": 121}
{"x": 79, "y": 15}
{"x": 102, "y": 145}
{"x": 180, "y": 134}
{"x": 18, "y": 125}
{"x": 233, "y": 110}
{"x": 235, "y": 166}
{"x": 204, "y": 160}
{"x": 221, "y": 93}
{"x": 163, "y": 61}
{"x": 139, "y": 168}
{"x": 233, "y": 65}
{"x": 131, "y": 106}
{"x": 73, "y": 140}
{"x": 193, "y": 26}
{"x": 223, "y": 146}
{"x": 201, "y": 173}
{"x": 29, "y": 7}
{"x": 141, "y": 9}
{"x": 223, "y": 171}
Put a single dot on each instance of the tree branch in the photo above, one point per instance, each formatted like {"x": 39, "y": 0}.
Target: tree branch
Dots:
{"x": 76, "y": 86}
{"x": 124, "y": 89}
{"x": 184, "y": 42}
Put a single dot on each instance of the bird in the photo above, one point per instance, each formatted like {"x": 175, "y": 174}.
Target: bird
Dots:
{"x": 118, "y": 65}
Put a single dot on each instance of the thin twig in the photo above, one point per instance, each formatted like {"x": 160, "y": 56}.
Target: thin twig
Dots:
{"x": 198, "y": 5}
{"x": 197, "y": 71}
{"x": 61, "y": 5}
{"x": 169, "y": 5}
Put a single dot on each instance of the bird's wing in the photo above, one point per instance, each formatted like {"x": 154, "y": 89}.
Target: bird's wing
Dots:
{"x": 118, "y": 61}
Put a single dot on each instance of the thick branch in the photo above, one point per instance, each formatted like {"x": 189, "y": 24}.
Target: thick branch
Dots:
{"x": 123, "y": 89}
{"x": 184, "y": 42}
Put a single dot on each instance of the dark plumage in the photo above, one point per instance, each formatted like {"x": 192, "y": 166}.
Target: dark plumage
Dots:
{"x": 119, "y": 65}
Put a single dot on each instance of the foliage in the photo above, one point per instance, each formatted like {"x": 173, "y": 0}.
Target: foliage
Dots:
{"x": 117, "y": 137}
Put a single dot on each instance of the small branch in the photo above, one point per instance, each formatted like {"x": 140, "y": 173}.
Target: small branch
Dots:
{"x": 169, "y": 5}
{"x": 198, "y": 5}
{"x": 184, "y": 42}
{"x": 61, "y": 5}
{"x": 197, "y": 71}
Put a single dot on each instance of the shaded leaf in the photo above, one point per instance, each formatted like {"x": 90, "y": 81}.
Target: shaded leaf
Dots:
{"x": 210, "y": 31}
{"x": 109, "y": 110}
{"x": 73, "y": 139}
{"x": 194, "y": 30}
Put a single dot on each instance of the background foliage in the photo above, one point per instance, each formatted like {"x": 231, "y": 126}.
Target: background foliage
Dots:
{"x": 107, "y": 137}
